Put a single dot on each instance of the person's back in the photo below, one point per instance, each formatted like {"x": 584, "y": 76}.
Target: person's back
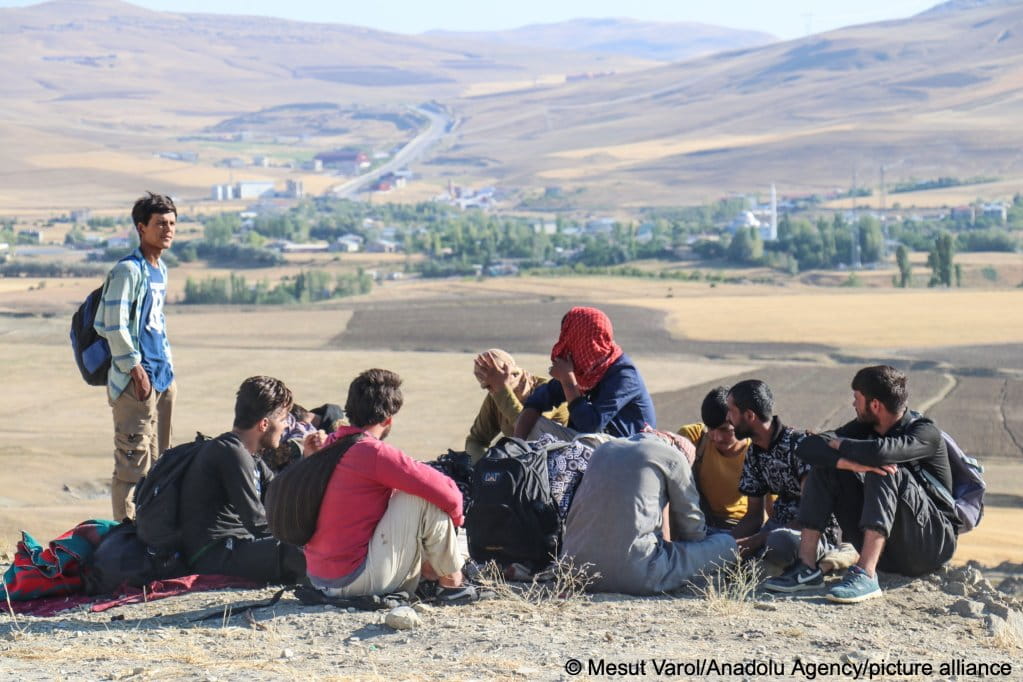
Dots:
{"x": 224, "y": 487}
{"x": 357, "y": 496}
{"x": 223, "y": 521}
{"x": 615, "y": 522}
{"x": 386, "y": 521}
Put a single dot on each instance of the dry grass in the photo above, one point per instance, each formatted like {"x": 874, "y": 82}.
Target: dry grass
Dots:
{"x": 873, "y": 319}
{"x": 728, "y": 588}
{"x": 562, "y": 583}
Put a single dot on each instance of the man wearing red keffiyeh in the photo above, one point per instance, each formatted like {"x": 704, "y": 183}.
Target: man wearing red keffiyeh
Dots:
{"x": 603, "y": 388}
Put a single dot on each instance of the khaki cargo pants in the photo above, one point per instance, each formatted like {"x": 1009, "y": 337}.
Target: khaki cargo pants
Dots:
{"x": 142, "y": 431}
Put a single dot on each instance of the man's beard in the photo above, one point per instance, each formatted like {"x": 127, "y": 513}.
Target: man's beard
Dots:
{"x": 266, "y": 441}
{"x": 866, "y": 417}
{"x": 742, "y": 431}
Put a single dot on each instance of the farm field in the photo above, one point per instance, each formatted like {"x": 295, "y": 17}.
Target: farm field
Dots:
{"x": 55, "y": 432}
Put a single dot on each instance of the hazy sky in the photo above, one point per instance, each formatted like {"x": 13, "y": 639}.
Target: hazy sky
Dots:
{"x": 783, "y": 18}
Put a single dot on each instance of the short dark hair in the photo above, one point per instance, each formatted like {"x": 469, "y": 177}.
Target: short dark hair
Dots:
{"x": 885, "y": 384}
{"x": 373, "y": 396}
{"x": 714, "y": 410}
{"x": 753, "y": 394}
{"x": 259, "y": 397}
{"x": 146, "y": 206}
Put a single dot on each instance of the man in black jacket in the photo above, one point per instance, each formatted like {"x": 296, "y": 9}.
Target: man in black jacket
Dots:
{"x": 223, "y": 522}
{"x": 869, "y": 473}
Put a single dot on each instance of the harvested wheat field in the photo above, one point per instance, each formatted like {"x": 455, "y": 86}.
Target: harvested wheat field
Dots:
{"x": 55, "y": 466}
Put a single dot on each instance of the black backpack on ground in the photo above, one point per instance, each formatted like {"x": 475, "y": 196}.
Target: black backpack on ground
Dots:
{"x": 123, "y": 559}
{"x": 295, "y": 496}
{"x": 158, "y": 496}
{"x": 513, "y": 517}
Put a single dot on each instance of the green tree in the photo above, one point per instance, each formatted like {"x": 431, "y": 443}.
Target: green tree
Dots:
{"x": 905, "y": 269}
{"x": 940, "y": 260}
{"x": 747, "y": 247}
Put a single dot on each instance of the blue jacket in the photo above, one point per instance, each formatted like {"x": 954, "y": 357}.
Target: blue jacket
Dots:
{"x": 618, "y": 405}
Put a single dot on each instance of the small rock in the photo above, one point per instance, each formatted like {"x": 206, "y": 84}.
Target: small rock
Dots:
{"x": 287, "y": 653}
{"x": 403, "y": 618}
{"x": 528, "y": 672}
{"x": 956, "y": 589}
{"x": 852, "y": 658}
{"x": 967, "y": 608}
{"x": 351, "y": 609}
{"x": 1000, "y": 610}
{"x": 421, "y": 608}
{"x": 762, "y": 606}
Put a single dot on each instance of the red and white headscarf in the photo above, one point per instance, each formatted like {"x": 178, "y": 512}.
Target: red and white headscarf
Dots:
{"x": 587, "y": 336}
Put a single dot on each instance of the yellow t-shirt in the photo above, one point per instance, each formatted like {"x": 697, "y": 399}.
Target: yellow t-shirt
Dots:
{"x": 718, "y": 476}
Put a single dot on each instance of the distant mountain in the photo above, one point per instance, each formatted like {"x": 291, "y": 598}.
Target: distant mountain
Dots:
{"x": 93, "y": 89}
{"x": 666, "y": 42}
{"x": 938, "y": 94}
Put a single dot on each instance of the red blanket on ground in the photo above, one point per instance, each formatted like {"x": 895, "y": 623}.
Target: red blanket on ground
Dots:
{"x": 158, "y": 589}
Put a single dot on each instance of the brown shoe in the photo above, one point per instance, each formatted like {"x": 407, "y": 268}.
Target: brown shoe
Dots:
{"x": 839, "y": 558}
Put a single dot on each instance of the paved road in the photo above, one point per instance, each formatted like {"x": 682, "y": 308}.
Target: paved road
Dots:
{"x": 439, "y": 122}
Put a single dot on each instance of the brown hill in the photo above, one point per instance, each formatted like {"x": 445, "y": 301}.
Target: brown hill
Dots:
{"x": 659, "y": 41}
{"x": 937, "y": 94}
{"x": 94, "y": 88}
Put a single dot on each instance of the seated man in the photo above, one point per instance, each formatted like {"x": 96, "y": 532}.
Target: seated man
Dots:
{"x": 507, "y": 386}
{"x": 771, "y": 468}
{"x": 719, "y": 462}
{"x": 592, "y": 375}
{"x": 616, "y": 521}
{"x": 386, "y": 520}
{"x": 864, "y": 473}
{"x": 223, "y": 522}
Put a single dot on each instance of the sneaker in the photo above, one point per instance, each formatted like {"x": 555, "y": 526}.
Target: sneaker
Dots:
{"x": 457, "y": 595}
{"x": 855, "y": 587}
{"x": 839, "y": 558}
{"x": 798, "y": 578}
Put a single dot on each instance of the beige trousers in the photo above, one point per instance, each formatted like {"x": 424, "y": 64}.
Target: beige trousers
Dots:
{"x": 411, "y": 531}
{"x": 142, "y": 431}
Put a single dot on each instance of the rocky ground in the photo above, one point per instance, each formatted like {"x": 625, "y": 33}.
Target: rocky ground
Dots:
{"x": 961, "y": 618}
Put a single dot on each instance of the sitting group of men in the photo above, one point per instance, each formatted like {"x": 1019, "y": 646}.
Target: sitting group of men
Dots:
{"x": 652, "y": 508}
{"x": 651, "y": 511}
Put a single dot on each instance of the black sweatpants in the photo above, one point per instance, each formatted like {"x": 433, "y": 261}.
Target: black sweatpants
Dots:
{"x": 266, "y": 561}
{"x": 920, "y": 538}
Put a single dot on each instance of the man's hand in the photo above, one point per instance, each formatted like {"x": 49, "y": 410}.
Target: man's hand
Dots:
{"x": 750, "y": 545}
{"x": 490, "y": 373}
{"x": 313, "y": 442}
{"x": 858, "y": 468}
{"x": 141, "y": 383}
{"x": 563, "y": 370}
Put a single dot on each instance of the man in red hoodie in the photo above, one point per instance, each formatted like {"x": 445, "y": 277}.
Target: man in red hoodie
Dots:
{"x": 386, "y": 521}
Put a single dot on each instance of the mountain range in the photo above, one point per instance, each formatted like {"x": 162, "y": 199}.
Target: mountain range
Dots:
{"x": 99, "y": 94}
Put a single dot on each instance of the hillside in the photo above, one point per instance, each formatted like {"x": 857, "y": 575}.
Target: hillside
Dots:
{"x": 94, "y": 88}
{"x": 667, "y": 42}
{"x": 932, "y": 95}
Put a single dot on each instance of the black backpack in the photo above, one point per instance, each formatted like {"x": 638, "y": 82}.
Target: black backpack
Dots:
{"x": 295, "y": 495}
{"x": 158, "y": 496}
{"x": 513, "y": 517}
{"x": 122, "y": 559}
{"x": 92, "y": 353}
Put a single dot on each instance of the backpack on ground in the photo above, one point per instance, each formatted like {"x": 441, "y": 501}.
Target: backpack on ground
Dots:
{"x": 158, "y": 496}
{"x": 295, "y": 496}
{"x": 91, "y": 351}
{"x": 966, "y": 499}
{"x": 513, "y": 517}
{"x": 123, "y": 559}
